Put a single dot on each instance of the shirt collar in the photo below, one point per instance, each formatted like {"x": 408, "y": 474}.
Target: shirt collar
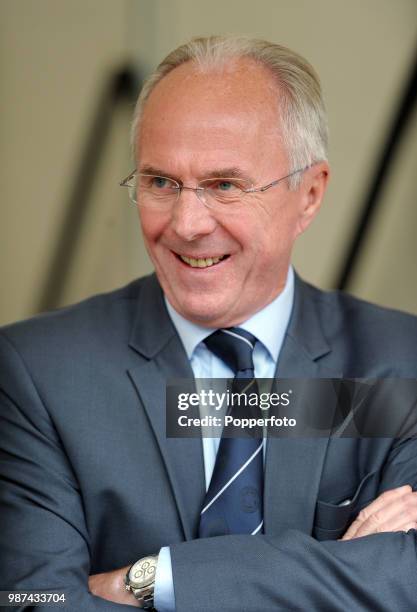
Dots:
{"x": 268, "y": 325}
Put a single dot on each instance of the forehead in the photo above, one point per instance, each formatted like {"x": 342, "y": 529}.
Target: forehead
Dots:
{"x": 215, "y": 110}
{"x": 244, "y": 81}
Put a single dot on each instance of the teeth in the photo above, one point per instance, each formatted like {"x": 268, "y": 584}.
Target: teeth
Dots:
{"x": 201, "y": 263}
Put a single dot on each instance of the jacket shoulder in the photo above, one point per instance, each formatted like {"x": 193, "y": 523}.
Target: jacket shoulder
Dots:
{"x": 108, "y": 315}
{"x": 365, "y": 333}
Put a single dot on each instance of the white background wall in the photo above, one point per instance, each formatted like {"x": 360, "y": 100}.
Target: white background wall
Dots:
{"x": 55, "y": 57}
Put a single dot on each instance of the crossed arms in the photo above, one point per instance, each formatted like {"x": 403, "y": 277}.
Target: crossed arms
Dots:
{"x": 46, "y": 542}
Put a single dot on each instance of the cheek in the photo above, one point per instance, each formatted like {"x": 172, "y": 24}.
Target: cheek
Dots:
{"x": 273, "y": 236}
{"x": 152, "y": 225}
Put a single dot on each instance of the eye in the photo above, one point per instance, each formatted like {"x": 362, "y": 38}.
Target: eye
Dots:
{"x": 225, "y": 186}
{"x": 157, "y": 185}
{"x": 159, "y": 182}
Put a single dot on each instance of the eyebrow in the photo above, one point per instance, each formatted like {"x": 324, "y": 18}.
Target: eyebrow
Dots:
{"x": 229, "y": 172}
{"x": 156, "y": 172}
{"x": 232, "y": 172}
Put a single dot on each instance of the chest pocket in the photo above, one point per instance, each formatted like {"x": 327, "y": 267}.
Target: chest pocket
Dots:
{"x": 331, "y": 520}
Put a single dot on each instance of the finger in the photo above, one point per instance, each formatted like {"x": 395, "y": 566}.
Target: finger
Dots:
{"x": 401, "y": 527}
{"x": 353, "y": 529}
{"x": 382, "y": 502}
{"x": 392, "y": 518}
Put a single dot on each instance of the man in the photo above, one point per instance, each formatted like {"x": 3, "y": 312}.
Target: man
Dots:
{"x": 230, "y": 144}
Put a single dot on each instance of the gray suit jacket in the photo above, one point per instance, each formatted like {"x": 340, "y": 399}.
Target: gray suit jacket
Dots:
{"x": 89, "y": 482}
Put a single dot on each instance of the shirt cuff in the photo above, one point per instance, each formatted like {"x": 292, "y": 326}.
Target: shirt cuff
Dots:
{"x": 164, "y": 597}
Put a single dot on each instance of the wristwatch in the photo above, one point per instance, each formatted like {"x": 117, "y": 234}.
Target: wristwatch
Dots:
{"x": 140, "y": 580}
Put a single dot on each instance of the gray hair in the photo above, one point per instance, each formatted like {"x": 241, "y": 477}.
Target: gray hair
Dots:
{"x": 303, "y": 116}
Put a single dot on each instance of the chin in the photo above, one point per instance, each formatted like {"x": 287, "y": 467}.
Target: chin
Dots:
{"x": 203, "y": 310}
{"x": 213, "y": 317}
{"x": 202, "y": 316}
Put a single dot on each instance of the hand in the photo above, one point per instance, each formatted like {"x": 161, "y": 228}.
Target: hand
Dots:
{"x": 111, "y": 586}
{"x": 393, "y": 510}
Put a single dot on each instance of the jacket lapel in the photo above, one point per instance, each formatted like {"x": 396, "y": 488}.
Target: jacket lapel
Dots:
{"x": 162, "y": 357}
{"x": 294, "y": 465}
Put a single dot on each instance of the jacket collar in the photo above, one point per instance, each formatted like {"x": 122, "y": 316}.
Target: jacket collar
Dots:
{"x": 152, "y": 329}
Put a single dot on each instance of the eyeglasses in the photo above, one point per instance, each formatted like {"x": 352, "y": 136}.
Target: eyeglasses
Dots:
{"x": 161, "y": 192}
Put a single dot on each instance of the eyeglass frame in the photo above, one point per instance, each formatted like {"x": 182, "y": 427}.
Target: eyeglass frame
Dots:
{"x": 199, "y": 189}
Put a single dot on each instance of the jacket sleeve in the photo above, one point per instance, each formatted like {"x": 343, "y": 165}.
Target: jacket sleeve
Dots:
{"x": 44, "y": 541}
{"x": 293, "y": 571}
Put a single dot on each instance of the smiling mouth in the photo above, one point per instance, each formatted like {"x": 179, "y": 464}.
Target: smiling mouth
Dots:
{"x": 205, "y": 262}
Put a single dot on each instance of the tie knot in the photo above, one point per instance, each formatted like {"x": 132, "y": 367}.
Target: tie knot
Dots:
{"x": 235, "y": 347}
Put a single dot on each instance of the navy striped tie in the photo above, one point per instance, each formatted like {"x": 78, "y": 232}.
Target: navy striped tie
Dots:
{"x": 234, "y": 500}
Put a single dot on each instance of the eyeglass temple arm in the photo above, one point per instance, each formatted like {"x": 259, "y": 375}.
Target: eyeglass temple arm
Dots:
{"x": 123, "y": 183}
{"x": 265, "y": 187}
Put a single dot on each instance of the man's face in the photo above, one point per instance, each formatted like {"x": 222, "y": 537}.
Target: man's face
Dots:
{"x": 197, "y": 125}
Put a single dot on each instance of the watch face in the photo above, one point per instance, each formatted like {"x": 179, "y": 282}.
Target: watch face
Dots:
{"x": 142, "y": 573}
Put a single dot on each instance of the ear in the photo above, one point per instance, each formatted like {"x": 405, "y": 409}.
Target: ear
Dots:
{"x": 312, "y": 190}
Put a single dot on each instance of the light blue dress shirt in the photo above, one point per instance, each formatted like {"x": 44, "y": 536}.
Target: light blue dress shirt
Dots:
{"x": 268, "y": 326}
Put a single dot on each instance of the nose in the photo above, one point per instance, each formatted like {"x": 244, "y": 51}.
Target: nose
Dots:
{"x": 191, "y": 219}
